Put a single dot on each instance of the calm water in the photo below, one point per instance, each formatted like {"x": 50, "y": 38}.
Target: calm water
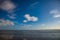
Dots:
{"x": 32, "y": 34}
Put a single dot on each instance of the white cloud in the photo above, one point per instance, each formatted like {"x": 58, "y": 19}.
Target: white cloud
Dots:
{"x": 6, "y": 22}
{"x": 56, "y": 16}
{"x": 7, "y": 5}
{"x": 55, "y": 13}
{"x": 25, "y": 21}
{"x": 26, "y": 25}
{"x": 34, "y": 4}
{"x": 27, "y": 16}
{"x": 34, "y": 18}
{"x": 58, "y": 21}
{"x": 12, "y": 16}
{"x": 30, "y": 18}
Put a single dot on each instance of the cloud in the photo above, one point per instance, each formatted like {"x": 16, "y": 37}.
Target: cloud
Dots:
{"x": 12, "y": 16}
{"x": 25, "y": 21}
{"x": 58, "y": 21}
{"x": 33, "y": 5}
{"x": 6, "y": 22}
{"x": 55, "y": 13}
{"x": 7, "y": 5}
{"x": 33, "y": 18}
{"x": 56, "y": 16}
{"x": 30, "y": 18}
{"x": 47, "y": 26}
{"x": 27, "y": 16}
{"x": 26, "y": 25}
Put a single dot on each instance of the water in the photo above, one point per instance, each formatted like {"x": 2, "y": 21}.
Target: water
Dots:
{"x": 32, "y": 34}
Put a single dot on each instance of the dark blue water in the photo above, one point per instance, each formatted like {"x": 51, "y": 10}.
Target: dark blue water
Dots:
{"x": 32, "y": 34}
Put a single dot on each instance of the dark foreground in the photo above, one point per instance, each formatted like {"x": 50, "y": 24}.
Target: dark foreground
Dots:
{"x": 29, "y": 34}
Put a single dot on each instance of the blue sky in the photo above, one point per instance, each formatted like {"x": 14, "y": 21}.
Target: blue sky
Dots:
{"x": 29, "y": 14}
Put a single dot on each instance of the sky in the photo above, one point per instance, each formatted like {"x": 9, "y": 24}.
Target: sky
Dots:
{"x": 29, "y": 14}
